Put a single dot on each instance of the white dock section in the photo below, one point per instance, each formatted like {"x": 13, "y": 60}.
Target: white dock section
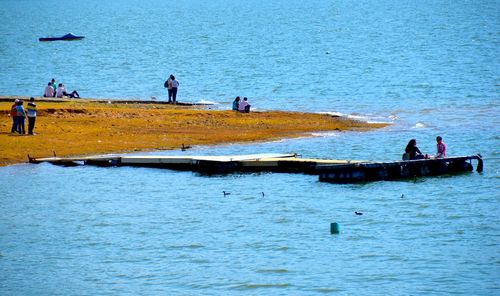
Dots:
{"x": 194, "y": 159}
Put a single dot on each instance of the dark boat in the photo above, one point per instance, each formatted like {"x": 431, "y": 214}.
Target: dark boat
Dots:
{"x": 68, "y": 36}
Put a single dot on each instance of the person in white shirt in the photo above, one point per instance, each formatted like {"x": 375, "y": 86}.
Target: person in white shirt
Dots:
{"x": 244, "y": 106}
{"x": 61, "y": 92}
{"x": 175, "y": 85}
{"x": 49, "y": 91}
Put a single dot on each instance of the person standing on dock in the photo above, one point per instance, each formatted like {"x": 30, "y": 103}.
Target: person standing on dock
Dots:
{"x": 31, "y": 112}
{"x": 441, "y": 148}
{"x": 175, "y": 85}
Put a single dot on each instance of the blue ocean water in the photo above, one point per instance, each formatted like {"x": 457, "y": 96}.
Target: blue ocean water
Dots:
{"x": 428, "y": 67}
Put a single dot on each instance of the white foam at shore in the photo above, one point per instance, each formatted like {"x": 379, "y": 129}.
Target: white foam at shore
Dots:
{"x": 202, "y": 101}
{"x": 359, "y": 117}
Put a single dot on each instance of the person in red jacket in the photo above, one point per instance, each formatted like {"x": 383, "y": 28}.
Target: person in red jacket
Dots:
{"x": 13, "y": 114}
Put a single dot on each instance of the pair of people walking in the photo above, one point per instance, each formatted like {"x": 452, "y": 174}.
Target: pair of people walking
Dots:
{"x": 172, "y": 85}
{"x": 19, "y": 114}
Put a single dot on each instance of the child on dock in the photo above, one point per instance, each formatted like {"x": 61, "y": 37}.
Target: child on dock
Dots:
{"x": 441, "y": 148}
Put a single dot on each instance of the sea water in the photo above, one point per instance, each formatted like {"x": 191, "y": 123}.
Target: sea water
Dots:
{"x": 427, "y": 67}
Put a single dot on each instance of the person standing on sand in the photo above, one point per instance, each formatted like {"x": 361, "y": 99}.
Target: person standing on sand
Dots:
{"x": 31, "y": 111}
{"x": 175, "y": 85}
{"x": 21, "y": 116}
{"x": 49, "y": 91}
{"x": 13, "y": 114}
{"x": 168, "y": 85}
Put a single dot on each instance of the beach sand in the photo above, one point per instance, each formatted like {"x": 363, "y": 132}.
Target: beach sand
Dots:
{"x": 85, "y": 127}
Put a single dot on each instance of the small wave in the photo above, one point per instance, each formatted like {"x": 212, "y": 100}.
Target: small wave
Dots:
{"x": 419, "y": 125}
{"x": 327, "y": 290}
{"x": 326, "y": 134}
{"x": 284, "y": 248}
{"x": 393, "y": 117}
{"x": 369, "y": 255}
{"x": 334, "y": 114}
{"x": 260, "y": 286}
{"x": 358, "y": 117}
{"x": 363, "y": 118}
{"x": 202, "y": 101}
{"x": 191, "y": 246}
{"x": 278, "y": 270}
{"x": 376, "y": 122}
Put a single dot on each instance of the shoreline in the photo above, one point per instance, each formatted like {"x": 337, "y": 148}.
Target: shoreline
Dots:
{"x": 80, "y": 127}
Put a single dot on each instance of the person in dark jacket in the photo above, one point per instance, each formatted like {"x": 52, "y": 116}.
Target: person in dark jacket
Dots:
{"x": 31, "y": 112}
{"x": 412, "y": 152}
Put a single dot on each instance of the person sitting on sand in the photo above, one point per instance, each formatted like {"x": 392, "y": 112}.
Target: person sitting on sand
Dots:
{"x": 441, "y": 148}
{"x": 61, "y": 92}
{"x": 412, "y": 152}
{"x": 236, "y": 103}
{"x": 244, "y": 106}
{"x": 49, "y": 91}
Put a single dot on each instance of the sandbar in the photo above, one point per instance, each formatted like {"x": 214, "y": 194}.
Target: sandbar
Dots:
{"x": 91, "y": 127}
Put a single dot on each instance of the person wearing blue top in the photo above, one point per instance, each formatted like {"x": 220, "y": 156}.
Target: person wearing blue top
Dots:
{"x": 20, "y": 116}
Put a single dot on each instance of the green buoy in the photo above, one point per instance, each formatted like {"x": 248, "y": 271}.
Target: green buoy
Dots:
{"x": 334, "y": 228}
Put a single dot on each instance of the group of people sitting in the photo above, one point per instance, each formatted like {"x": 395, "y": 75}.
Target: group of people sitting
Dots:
{"x": 241, "y": 106}
{"x": 59, "y": 91}
{"x": 412, "y": 152}
{"x": 19, "y": 114}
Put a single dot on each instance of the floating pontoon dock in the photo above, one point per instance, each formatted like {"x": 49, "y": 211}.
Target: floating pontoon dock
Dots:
{"x": 329, "y": 170}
